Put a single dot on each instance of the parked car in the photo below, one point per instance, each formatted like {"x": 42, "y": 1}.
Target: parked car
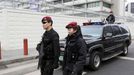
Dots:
{"x": 104, "y": 41}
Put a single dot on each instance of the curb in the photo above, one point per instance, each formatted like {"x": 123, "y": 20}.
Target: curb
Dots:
{"x": 3, "y": 63}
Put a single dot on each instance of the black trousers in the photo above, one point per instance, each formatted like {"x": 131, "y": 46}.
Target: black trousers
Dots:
{"x": 69, "y": 72}
{"x": 46, "y": 68}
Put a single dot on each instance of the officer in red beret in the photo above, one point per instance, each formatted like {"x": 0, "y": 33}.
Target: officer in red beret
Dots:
{"x": 48, "y": 48}
{"x": 75, "y": 51}
{"x": 111, "y": 18}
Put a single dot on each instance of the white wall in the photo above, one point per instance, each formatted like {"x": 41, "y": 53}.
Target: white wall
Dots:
{"x": 2, "y": 28}
{"x": 16, "y": 25}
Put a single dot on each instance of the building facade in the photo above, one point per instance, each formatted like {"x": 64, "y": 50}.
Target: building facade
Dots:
{"x": 129, "y": 9}
{"x": 103, "y": 6}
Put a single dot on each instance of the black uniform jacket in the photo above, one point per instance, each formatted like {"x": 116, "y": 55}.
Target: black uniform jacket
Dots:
{"x": 49, "y": 47}
{"x": 110, "y": 18}
{"x": 75, "y": 52}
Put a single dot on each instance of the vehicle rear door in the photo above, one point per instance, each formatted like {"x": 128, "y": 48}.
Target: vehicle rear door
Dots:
{"x": 107, "y": 38}
{"x": 117, "y": 38}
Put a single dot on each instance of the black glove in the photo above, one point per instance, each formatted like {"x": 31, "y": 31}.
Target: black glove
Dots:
{"x": 49, "y": 68}
{"x": 55, "y": 65}
{"x": 38, "y": 47}
{"x": 74, "y": 73}
{"x": 37, "y": 57}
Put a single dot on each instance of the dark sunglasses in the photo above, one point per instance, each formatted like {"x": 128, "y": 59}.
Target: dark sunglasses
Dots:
{"x": 44, "y": 22}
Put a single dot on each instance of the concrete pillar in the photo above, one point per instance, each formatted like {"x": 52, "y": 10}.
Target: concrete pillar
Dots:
{"x": 118, "y": 7}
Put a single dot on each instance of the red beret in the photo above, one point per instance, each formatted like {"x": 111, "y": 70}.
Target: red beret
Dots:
{"x": 47, "y": 18}
{"x": 72, "y": 25}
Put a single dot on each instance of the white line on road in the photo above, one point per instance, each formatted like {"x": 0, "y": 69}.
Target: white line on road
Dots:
{"x": 127, "y": 58}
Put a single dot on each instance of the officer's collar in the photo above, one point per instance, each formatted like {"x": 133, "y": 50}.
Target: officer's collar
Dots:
{"x": 50, "y": 30}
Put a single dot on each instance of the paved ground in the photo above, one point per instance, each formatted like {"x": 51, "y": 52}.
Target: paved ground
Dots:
{"x": 14, "y": 54}
{"x": 116, "y": 66}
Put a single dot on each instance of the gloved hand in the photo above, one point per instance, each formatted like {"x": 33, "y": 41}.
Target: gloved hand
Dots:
{"x": 38, "y": 47}
{"x": 48, "y": 68}
{"x": 74, "y": 73}
{"x": 37, "y": 57}
{"x": 55, "y": 65}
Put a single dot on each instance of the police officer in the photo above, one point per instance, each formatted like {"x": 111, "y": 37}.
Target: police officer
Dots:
{"x": 48, "y": 48}
{"x": 111, "y": 18}
{"x": 75, "y": 51}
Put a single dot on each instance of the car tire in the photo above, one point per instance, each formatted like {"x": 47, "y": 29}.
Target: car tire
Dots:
{"x": 95, "y": 61}
{"x": 125, "y": 50}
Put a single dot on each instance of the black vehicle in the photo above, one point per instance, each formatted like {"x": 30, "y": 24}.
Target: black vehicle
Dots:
{"x": 104, "y": 41}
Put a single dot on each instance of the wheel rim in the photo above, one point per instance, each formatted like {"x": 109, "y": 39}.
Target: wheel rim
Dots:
{"x": 96, "y": 61}
{"x": 125, "y": 50}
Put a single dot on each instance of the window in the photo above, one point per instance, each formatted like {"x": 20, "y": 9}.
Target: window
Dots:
{"x": 132, "y": 7}
{"x": 97, "y": 3}
{"x": 116, "y": 30}
{"x": 93, "y": 4}
{"x": 107, "y": 29}
{"x": 80, "y": 6}
{"x": 68, "y": 1}
{"x": 57, "y": 2}
{"x": 123, "y": 30}
{"x": 92, "y": 31}
{"x": 106, "y": 5}
{"x": 127, "y": 8}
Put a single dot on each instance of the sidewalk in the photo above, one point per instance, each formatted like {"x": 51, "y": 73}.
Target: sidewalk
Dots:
{"x": 12, "y": 56}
